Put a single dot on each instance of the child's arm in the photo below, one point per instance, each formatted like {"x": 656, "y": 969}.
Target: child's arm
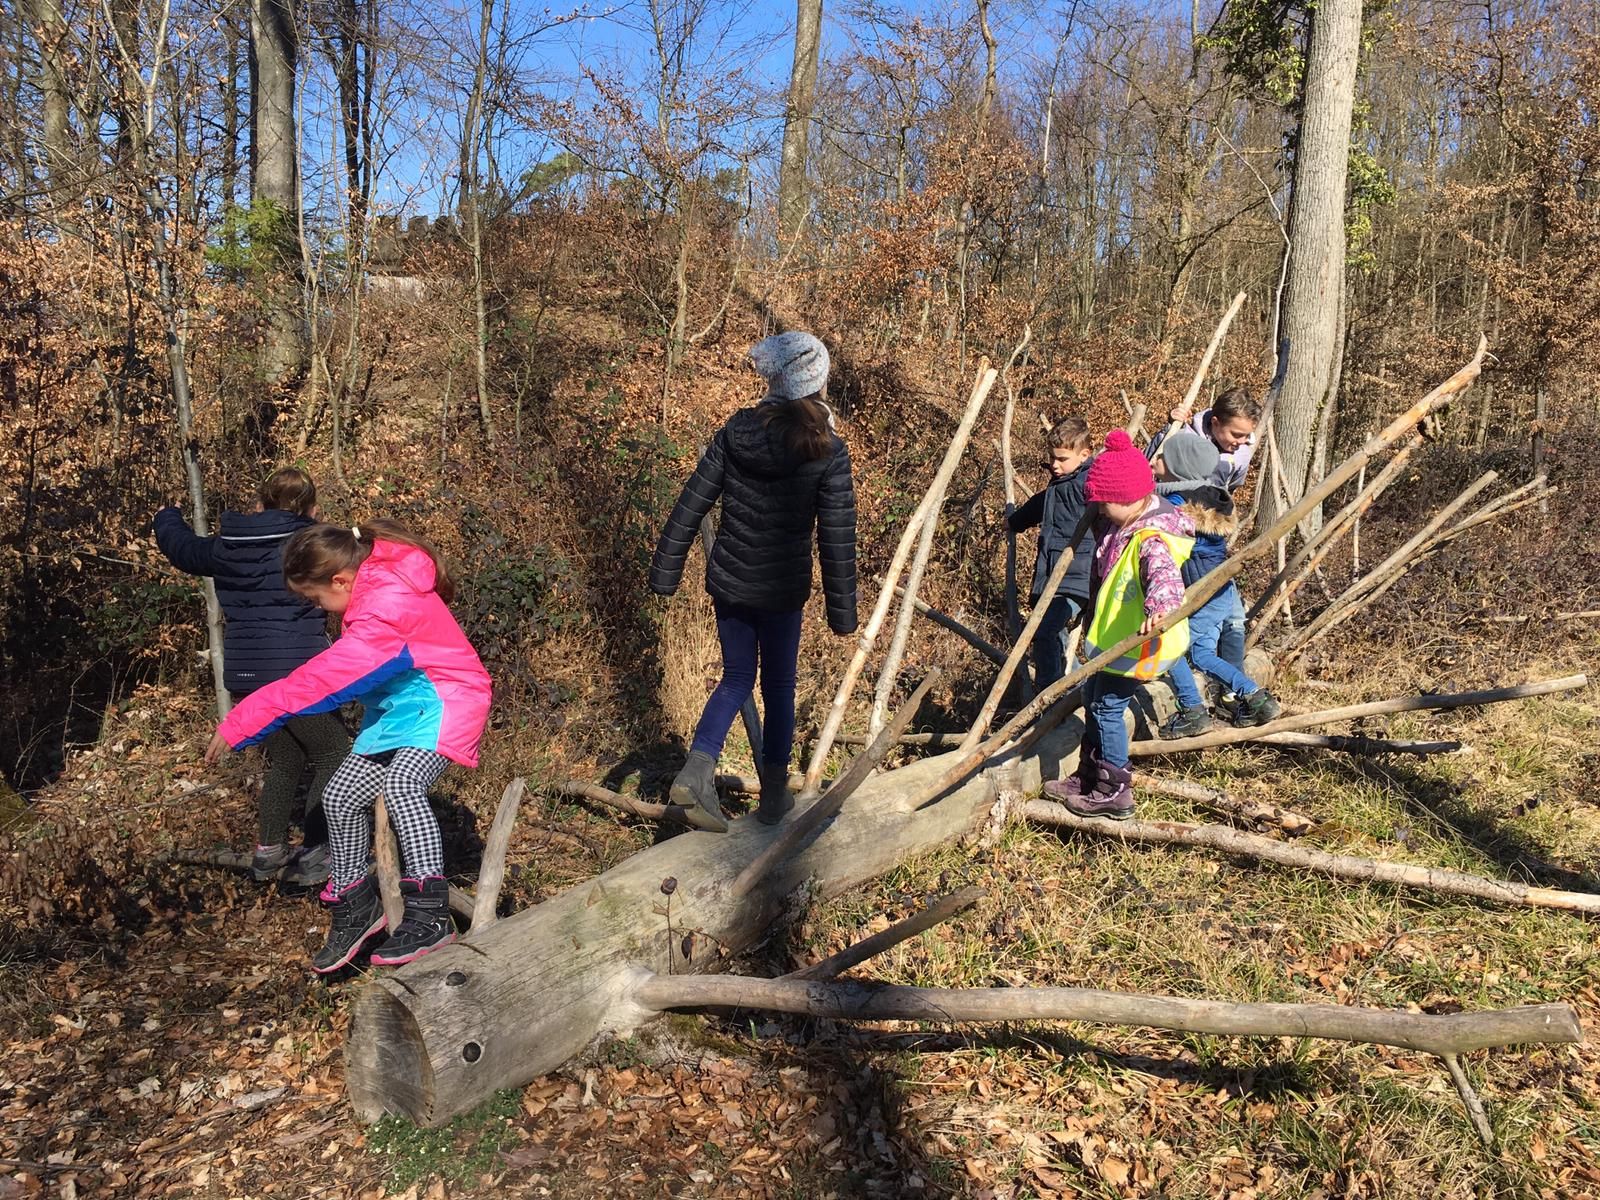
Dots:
{"x": 185, "y": 550}
{"x": 836, "y": 543}
{"x": 1163, "y": 582}
{"x": 1030, "y": 514}
{"x": 683, "y": 526}
{"x": 370, "y": 651}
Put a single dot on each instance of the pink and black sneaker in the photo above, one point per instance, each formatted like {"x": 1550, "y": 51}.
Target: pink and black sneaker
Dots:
{"x": 426, "y": 926}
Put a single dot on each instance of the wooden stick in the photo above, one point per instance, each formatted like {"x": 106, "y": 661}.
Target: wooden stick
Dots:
{"x": 750, "y": 785}
{"x": 1135, "y": 426}
{"x": 936, "y": 913}
{"x": 1355, "y": 527}
{"x": 1490, "y": 513}
{"x": 1013, "y": 617}
{"x": 492, "y": 869}
{"x": 869, "y": 634}
{"x": 1357, "y": 744}
{"x": 1397, "y": 563}
{"x": 1214, "y": 581}
{"x": 1280, "y": 590}
{"x": 386, "y": 854}
{"x": 1587, "y": 615}
{"x": 1024, "y": 641}
{"x": 1226, "y": 840}
{"x": 828, "y": 805}
{"x": 988, "y": 649}
{"x": 1219, "y": 801}
{"x": 1193, "y": 394}
{"x": 849, "y": 1000}
{"x": 1469, "y": 1098}
{"x": 1443, "y": 701}
{"x": 648, "y": 809}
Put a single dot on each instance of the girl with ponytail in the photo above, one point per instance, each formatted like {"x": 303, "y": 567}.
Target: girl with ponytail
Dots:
{"x": 781, "y": 474}
{"x": 426, "y": 699}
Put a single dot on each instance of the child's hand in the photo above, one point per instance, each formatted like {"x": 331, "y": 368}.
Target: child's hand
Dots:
{"x": 1181, "y": 415}
{"x": 218, "y": 747}
{"x": 1149, "y": 624}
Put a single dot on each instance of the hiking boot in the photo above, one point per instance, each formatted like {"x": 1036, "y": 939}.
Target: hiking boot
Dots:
{"x": 777, "y": 801}
{"x": 267, "y": 861}
{"x": 1257, "y": 708}
{"x": 357, "y": 912}
{"x": 1077, "y": 784}
{"x": 1112, "y": 796}
{"x": 1186, "y": 722}
{"x": 695, "y": 789}
{"x": 308, "y": 866}
{"x": 426, "y": 926}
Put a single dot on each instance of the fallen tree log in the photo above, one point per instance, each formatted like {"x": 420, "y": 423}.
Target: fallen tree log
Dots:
{"x": 436, "y": 1037}
{"x": 851, "y": 1000}
{"x": 1341, "y": 866}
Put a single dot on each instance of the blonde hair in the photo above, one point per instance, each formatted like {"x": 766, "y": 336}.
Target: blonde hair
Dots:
{"x": 314, "y": 556}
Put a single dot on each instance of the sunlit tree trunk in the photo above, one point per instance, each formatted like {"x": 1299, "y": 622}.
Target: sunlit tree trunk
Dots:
{"x": 792, "y": 187}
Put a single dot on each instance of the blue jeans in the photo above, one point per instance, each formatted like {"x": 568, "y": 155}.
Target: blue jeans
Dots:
{"x": 1230, "y": 643}
{"x": 1050, "y": 640}
{"x": 1183, "y": 684}
{"x": 754, "y": 640}
{"x": 1105, "y": 698}
{"x": 1216, "y": 644}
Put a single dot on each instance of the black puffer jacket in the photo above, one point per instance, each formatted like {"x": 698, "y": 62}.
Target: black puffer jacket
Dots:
{"x": 771, "y": 501}
{"x": 271, "y": 631}
{"x": 1056, "y": 509}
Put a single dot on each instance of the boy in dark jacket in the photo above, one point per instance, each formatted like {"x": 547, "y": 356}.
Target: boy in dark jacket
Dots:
{"x": 1056, "y": 510}
{"x": 1186, "y": 463}
{"x": 270, "y": 631}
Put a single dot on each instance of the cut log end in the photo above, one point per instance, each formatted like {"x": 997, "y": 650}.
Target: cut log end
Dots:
{"x": 388, "y": 1072}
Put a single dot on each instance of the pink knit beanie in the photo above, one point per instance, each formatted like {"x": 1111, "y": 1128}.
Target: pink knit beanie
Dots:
{"x": 1119, "y": 473}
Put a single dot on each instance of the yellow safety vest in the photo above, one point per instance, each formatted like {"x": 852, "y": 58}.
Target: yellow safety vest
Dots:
{"x": 1119, "y": 611}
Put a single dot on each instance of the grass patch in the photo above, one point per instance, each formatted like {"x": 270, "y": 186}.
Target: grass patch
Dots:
{"x": 458, "y": 1153}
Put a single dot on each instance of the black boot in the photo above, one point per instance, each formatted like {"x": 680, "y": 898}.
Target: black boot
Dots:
{"x": 777, "y": 801}
{"x": 426, "y": 925}
{"x": 695, "y": 789}
{"x": 357, "y": 915}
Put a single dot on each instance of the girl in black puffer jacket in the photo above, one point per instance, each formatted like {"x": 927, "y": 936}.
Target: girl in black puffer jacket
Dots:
{"x": 781, "y": 473}
{"x": 270, "y": 631}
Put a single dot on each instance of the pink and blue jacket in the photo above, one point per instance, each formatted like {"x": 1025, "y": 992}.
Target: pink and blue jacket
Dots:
{"x": 401, "y": 654}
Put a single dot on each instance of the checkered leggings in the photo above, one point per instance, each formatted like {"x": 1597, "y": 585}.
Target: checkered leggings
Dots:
{"x": 403, "y": 778}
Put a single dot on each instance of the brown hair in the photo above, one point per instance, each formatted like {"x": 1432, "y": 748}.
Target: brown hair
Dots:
{"x": 290, "y": 489}
{"x": 1236, "y": 402}
{"x": 315, "y": 555}
{"x": 1070, "y": 433}
{"x": 803, "y": 422}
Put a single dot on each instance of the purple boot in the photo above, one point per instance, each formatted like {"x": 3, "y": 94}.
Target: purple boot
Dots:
{"x": 1112, "y": 795}
{"x": 1077, "y": 785}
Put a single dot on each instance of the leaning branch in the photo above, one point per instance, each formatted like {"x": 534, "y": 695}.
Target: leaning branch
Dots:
{"x": 936, "y": 913}
{"x": 1307, "y": 858}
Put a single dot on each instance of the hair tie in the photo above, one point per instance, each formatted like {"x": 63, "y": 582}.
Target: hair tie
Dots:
{"x": 355, "y": 532}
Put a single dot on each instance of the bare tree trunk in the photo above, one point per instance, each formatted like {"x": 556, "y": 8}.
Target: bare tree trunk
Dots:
{"x": 50, "y": 30}
{"x": 275, "y": 190}
{"x": 1316, "y": 268}
{"x": 792, "y": 187}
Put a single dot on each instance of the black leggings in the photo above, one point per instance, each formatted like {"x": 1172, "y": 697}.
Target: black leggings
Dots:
{"x": 319, "y": 741}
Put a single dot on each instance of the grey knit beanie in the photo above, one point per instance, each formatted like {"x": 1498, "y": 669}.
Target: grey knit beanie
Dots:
{"x": 1189, "y": 456}
{"x": 794, "y": 364}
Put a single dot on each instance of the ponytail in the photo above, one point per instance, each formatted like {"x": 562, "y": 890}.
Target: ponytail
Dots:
{"x": 804, "y": 423}
{"x": 315, "y": 555}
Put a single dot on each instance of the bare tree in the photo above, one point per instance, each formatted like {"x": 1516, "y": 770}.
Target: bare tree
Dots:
{"x": 792, "y": 188}
{"x": 275, "y": 188}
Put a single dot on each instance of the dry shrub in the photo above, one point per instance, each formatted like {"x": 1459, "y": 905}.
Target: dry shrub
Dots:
{"x": 691, "y": 659}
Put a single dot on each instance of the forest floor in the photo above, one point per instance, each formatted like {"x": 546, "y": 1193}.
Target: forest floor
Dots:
{"x": 177, "y": 1046}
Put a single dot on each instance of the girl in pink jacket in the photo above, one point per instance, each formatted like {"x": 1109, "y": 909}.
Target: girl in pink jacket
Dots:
{"x": 426, "y": 697}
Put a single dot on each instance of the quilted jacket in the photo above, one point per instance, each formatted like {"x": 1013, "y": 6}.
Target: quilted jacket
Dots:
{"x": 401, "y": 654}
{"x": 772, "y": 501}
{"x": 270, "y": 630}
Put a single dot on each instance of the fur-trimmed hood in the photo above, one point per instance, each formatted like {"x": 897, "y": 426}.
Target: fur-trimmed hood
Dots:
{"x": 1211, "y": 509}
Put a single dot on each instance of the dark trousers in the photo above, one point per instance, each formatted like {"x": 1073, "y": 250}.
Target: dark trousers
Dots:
{"x": 754, "y": 641}
{"x": 319, "y": 742}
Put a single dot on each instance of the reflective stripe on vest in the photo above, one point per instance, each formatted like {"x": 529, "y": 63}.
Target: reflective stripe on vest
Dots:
{"x": 1119, "y": 611}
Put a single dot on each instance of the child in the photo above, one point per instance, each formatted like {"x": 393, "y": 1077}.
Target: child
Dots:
{"x": 1056, "y": 510}
{"x": 1229, "y": 425}
{"x": 780, "y": 473}
{"x": 1185, "y": 462}
{"x": 427, "y": 700}
{"x": 270, "y": 632}
{"x": 1142, "y": 544}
